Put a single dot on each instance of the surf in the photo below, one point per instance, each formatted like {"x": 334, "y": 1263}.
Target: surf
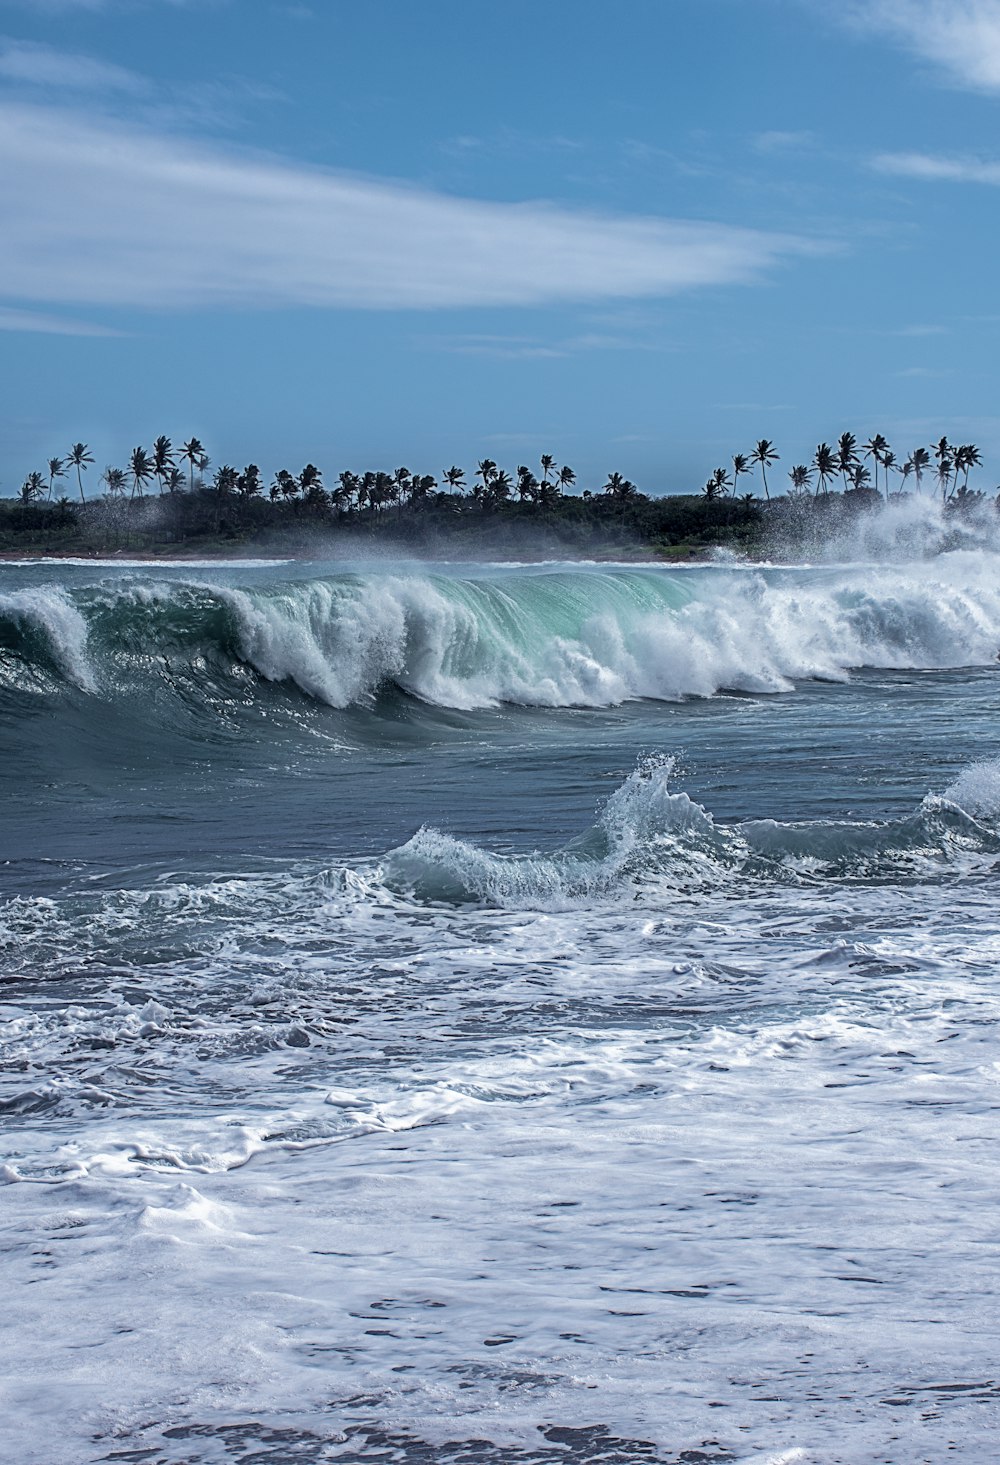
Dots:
{"x": 552, "y": 637}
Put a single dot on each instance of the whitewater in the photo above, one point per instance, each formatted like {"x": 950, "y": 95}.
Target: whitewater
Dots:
{"x": 500, "y": 1013}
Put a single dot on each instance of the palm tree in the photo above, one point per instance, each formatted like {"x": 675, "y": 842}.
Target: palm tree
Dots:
{"x": 500, "y": 487}
{"x": 741, "y": 465}
{"x": 486, "y": 470}
{"x": 141, "y": 468}
{"x": 56, "y": 470}
{"x": 973, "y": 459}
{"x": 79, "y": 457}
{"x": 548, "y": 464}
{"x": 801, "y": 477}
{"x": 421, "y": 485}
{"x": 403, "y": 485}
{"x": 527, "y": 484}
{"x": 764, "y": 454}
{"x": 565, "y": 477}
{"x": 921, "y": 461}
{"x": 943, "y": 475}
{"x": 888, "y": 464}
{"x": 192, "y": 451}
{"x": 847, "y": 454}
{"x": 904, "y": 473}
{"x": 874, "y": 449}
{"x": 381, "y": 492}
{"x": 31, "y": 488}
{"x": 163, "y": 459}
{"x": 114, "y": 480}
{"x": 825, "y": 465}
{"x": 248, "y": 484}
{"x": 350, "y": 486}
{"x": 311, "y": 486}
{"x": 225, "y": 480}
{"x": 288, "y": 484}
{"x": 943, "y": 453}
{"x": 722, "y": 482}
{"x": 454, "y": 478}
{"x": 966, "y": 458}
{"x": 620, "y": 490}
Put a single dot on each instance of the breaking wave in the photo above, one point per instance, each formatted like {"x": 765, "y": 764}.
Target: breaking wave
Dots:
{"x": 650, "y": 837}
{"x": 552, "y": 638}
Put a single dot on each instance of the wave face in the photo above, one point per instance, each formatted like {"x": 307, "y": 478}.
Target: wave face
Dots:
{"x": 552, "y": 638}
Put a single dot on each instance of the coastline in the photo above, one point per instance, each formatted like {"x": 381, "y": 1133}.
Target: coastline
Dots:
{"x": 260, "y": 554}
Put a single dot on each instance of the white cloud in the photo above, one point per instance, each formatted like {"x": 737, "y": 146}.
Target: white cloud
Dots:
{"x": 963, "y": 36}
{"x": 100, "y": 215}
{"x": 36, "y": 65}
{"x": 932, "y": 168}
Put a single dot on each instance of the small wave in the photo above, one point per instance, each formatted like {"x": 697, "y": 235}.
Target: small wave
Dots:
{"x": 649, "y": 838}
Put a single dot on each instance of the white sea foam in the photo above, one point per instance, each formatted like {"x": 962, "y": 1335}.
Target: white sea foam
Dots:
{"x": 48, "y": 613}
{"x": 531, "y": 1170}
{"x": 599, "y": 638}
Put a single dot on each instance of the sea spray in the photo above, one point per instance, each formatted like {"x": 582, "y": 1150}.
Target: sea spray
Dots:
{"x": 652, "y": 842}
{"x": 43, "y": 629}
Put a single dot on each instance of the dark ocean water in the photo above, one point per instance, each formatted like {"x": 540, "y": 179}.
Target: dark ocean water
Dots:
{"x": 477, "y": 1013}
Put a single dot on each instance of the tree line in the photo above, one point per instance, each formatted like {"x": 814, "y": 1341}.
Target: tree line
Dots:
{"x": 490, "y": 486}
{"x": 948, "y": 464}
{"x": 172, "y": 470}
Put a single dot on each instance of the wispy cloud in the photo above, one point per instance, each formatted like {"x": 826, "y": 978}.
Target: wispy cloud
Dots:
{"x": 100, "y": 214}
{"x": 514, "y": 347}
{"x": 219, "y": 104}
{"x": 50, "y": 325}
{"x": 36, "y": 65}
{"x": 782, "y": 142}
{"x": 962, "y": 36}
{"x": 931, "y": 168}
{"x": 49, "y": 7}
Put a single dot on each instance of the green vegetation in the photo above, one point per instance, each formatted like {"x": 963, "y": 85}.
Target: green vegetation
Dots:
{"x": 493, "y": 511}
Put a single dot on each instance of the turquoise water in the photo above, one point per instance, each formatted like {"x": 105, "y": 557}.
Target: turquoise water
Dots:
{"x": 503, "y": 1013}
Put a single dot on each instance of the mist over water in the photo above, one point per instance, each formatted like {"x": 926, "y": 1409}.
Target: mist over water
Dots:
{"x": 503, "y": 1013}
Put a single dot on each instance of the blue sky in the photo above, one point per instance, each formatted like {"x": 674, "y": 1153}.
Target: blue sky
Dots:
{"x": 638, "y": 236}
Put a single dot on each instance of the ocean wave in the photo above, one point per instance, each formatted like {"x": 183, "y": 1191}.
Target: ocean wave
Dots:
{"x": 650, "y": 838}
{"x": 551, "y": 638}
